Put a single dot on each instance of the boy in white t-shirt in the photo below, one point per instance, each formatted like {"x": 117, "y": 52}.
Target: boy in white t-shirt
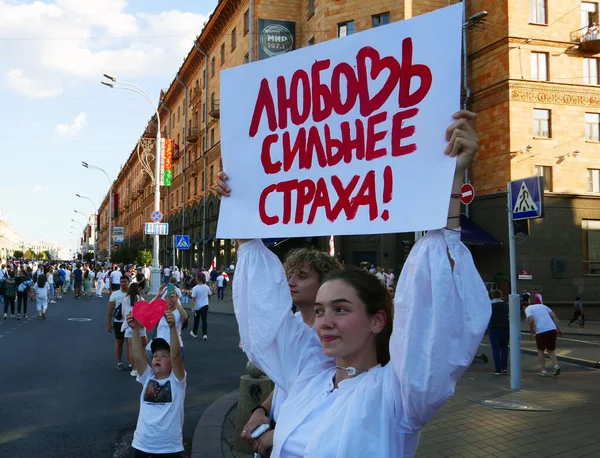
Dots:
{"x": 160, "y": 421}
{"x": 544, "y": 325}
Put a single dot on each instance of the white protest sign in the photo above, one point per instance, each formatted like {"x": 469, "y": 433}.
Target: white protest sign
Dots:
{"x": 345, "y": 137}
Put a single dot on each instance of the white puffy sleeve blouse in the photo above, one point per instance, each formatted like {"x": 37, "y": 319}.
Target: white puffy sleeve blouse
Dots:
{"x": 442, "y": 309}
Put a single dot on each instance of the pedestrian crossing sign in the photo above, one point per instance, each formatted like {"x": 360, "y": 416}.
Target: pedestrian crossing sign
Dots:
{"x": 527, "y": 198}
{"x": 182, "y": 242}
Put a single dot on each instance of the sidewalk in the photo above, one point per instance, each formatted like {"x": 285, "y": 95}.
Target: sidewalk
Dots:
{"x": 592, "y": 328}
{"x": 559, "y": 416}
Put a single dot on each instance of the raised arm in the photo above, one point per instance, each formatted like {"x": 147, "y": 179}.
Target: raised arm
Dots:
{"x": 139, "y": 352}
{"x": 176, "y": 359}
{"x": 442, "y": 310}
{"x": 272, "y": 338}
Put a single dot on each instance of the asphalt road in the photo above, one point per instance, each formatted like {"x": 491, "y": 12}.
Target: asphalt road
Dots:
{"x": 583, "y": 347}
{"x": 62, "y": 396}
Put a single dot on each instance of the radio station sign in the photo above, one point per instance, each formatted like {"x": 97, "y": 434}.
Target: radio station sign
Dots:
{"x": 275, "y": 38}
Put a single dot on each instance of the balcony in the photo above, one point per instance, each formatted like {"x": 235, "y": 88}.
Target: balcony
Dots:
{"x": 587, "y": 39}
{"x": 215, "y": 109}
{"x": 192, "y": 134}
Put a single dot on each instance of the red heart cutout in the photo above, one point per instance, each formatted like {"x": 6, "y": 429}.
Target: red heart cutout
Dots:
{"x": 149, "y": 314}
{"x": 369, "y": 105}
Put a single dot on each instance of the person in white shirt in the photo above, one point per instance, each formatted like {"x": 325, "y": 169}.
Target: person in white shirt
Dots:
{"x": 133, "y": 296}
{"x": 167, "y": 274}
{"x": 200, "y": 293}
{"x": 115, "y": 319}
{"x": 115, "y": 279}
{"x": 221, "y": 286}
{"x": 100, "y": 281}
{"x": 160, "y": 421}
{"x": 42, "y": 296}
{"x": 169, "y": 293}
{"x": 367, "y": 371}
{"x": 176, "y": 276}
{"x": 545, "y": 327}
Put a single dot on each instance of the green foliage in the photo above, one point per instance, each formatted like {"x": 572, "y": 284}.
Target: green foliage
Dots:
{"x": 29, "y": 254}
{"x": 18, "y": 254}
{"x": 88, "y": 256}
{"x": 144, "y": 257}
{"x": 79, "y": 256}
{"x": 123, "y": 255}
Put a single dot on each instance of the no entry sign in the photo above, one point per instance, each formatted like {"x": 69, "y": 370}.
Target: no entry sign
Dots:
{"x": 467, "y": 193}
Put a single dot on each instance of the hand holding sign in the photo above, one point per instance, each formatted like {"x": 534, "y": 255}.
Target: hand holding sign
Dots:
{"x": 149, "y": 314}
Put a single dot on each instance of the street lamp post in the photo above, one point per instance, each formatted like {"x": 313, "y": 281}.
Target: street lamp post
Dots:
{"x": 155, "y": 270}
{"x": 96, "y": 226}
{"x": 87, "y": 224}
{"x": 110, "y": 209}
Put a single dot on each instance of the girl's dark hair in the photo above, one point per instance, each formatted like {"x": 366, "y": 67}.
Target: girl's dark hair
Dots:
{"x": 133, "y": 293}
{"x": 41, "y": 281}
{"x": 376, "y": 297}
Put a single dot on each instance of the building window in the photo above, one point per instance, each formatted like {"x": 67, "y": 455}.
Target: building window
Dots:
{"x": 345, "y": 28}
{"x": 212, "y": 137}
{"x": 212, "y": 66}
{"x": 311, "y": 42}
{"x": 212, "y": 174}
{"x": 541, "y": 123}
{"x": 204, "y": 76}
{"x": 589, "y": 14}
{"x": 592, "y": 127}
{"x": 590, "y": 71}
{"x": 545, "y": 172}
{"x": 246, "y": 22}
{"x": 204, "y": 112}
{"x": 233, "y": 39}
{"x": 311, "y": 7}
{"x": 202, "y": 181}
{"x": 177, "y": 197}
{"x": 594, "y": 180}
{"x": 591, "y": 246}
{"x": 380, "y": 19}
{"x": 222, "y": 53}
{"x": 539, "y": 66}
{"x": 246, "y": 58}
{"x": 195, "y": 185}
{"x": 537, "y": 11}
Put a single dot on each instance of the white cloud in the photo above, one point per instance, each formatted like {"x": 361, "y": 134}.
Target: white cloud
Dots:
{"x": 36, "y": 189}
{"x": 16, "y": 80}
{"x": 67, "y": 41}
{"x": 74, "y": 128}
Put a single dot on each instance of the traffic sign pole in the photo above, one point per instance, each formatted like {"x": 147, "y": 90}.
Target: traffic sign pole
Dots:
{"x": 513, "y": 303}
{"x": 174, "y": 251}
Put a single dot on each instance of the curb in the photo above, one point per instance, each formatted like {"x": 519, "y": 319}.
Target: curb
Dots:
{"x": 572, "y": 334}
{"x": 206, "y": 442}
{"x": 568, "y": 359}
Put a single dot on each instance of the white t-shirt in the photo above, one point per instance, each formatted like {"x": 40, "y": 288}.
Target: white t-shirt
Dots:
{"x": 42, "y": 293}
{"x": 541, "y": 316}
{"x": 389, "y": 279}
{"x": 201, "y": 293}
{"x": 167, "y": 272}
{"x": 100, "y": 276}
{"x": 117, "y": 297}
{"x": 381, "y": 277}
{"x": 127, "y": 308}
{"x": 67, "y": 275}
{"x": 177, "y": 275}
{"x": 164, "y": 332}
{"x": 160, "y": 422}
{"x": 115, "y": 277}
{"x": 220, "y": 280}
{"x": 147, "y": 273}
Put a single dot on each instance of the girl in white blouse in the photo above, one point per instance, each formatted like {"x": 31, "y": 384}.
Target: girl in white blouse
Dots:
{"x": 370, "y": 378}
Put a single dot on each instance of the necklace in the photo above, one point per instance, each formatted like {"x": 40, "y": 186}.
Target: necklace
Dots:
{"x": 351, "y": 371}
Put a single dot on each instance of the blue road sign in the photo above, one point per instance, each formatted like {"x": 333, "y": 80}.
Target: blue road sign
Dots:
{"x": 527, "y": 198}
{"x": 156, "y": 216}
{"x": 182, "y": 242}
{"x": 157, "y": 228}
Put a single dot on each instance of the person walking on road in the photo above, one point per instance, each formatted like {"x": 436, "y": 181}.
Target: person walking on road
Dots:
{"x": 10, "y": 293}
{"x": 42, "y": 296}
{"x": 100, "y": 281}
{"x": 133, "y": 297}
{"x": 214, "y": 273}
{"x": 116, "y": 318}
{"x": 537, "y": 297}
{"x": 200, "y": 293}
{"x": 578, "y": 312}
{"x": 77, "y": 280}
{"x": 544, "y": 325}
{"x": 221, "y": 286}
{"x": 23, "y": 285}
{"x": 498, "y": 331}
{"x": 115, "y": 279}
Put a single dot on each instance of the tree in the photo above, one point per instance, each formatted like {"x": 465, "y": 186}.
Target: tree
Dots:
{"x": 144, "y": 257}
{"x": 18, "y": 254}
{"x": 29, "y": 254}
{"x": 88, "y": 256}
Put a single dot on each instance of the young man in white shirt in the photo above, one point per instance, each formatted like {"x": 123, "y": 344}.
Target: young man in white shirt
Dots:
{"x": 115, "y": 279}
{"x": 544, "y": 325}
{"x": 115, "y": 320}
{"x": 200, "y": 292}
{"x": 221, "y": 286}
{"x": 167, "y": 274}
{"x": 160, "y": 421}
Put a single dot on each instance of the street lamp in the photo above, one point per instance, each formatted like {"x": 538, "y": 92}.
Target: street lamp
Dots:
{"x": 155, "y": 275}
{"x": 95, "y": 225}
{"x": 110, "y": 209}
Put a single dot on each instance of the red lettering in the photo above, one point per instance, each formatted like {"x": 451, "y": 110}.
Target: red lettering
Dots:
{"x": 284, "y": 103}
{"x": 399, "y": 132}
{"x": 314, "y": 144}
{"x": 306, "y": 193}
{"x": 300, "y": 78}
{"x": 373, "y": 137}
{"x": 388, "y": 184}
{"x": 408, "y": 72}
{"x": 298, "y": 149}
{"x": 320, "y": 92}
{"x": 321, "y": 201}
{"x": 345, "y": 70}
{"x": 264, "y": 102}
{"x": 269, "y": 166}
{"x": 287, "y": 187}
{"x": 266, "y": 219}
{"x": 368, "y": 104}
{"x": 365, "y": 196}
{"x": 356, "y": 144}
{"x": 344, "y": 194}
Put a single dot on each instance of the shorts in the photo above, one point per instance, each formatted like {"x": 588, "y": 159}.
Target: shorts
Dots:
{"x": 546, "y": 340}
{"x": 77, "y": 283}
{"x": 115, "y": 286}
{"x": 129, "y": 333}
{"x": 140, "y": 454}
{"x": 119, "y": 335}
{"x": 59, "y": 284}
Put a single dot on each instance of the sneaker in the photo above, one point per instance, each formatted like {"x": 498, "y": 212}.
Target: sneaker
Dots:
{"x": 557, "y": 370}
{"x": 120, "y": 367}
{"x": 543, "y": 373}
{"x": 25, "y": 316}
{"x": 19, "y": 316}
{"x": 504, "y": 371}
{"x": 204, "y": 337}
{"x": 130, "y": 367}
{"x": 497, "y": 372}
{"x": 192, "y": 334}
{"x": 134, "y": 373}
{"x": 5, "y": 316}
{"x": 53, "y": 302}
{"x": 12, "y": 317}
{"x": 43, "y": 316}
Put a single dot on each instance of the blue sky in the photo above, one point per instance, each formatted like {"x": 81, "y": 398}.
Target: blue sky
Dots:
{"x": 55, "y": 112}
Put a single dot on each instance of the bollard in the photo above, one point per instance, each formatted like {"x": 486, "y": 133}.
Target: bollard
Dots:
{"x": 255, "y": 387}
